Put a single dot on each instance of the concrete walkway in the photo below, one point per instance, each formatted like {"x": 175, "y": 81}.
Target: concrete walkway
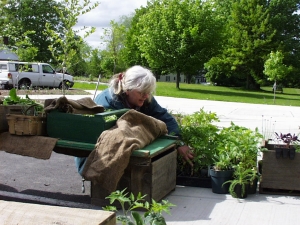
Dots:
{"x": 56, "y": 178}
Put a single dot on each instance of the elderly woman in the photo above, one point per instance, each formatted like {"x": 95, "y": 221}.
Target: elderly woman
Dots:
{"x": 134, "y": 90}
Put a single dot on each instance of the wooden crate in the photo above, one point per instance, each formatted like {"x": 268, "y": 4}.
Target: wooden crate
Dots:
{"x": 151, "y": 171}
{"x": 280, "y": 176}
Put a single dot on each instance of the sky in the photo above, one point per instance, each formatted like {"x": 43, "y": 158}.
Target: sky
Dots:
{"x": 106, "y": 11}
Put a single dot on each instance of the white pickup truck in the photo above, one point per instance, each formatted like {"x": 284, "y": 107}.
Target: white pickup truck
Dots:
{"x": 24, "y": 75}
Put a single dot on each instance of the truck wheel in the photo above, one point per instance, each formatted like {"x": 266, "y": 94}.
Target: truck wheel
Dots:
{"x": 65, "y": 83}
{"x": 24, "y": 84}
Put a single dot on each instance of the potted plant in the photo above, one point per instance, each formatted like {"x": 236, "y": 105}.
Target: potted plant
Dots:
{"x": 220, "y": 172}
{"x": 130, "y": 204}
{"x": 242, "y": 178}
{"x": 285, "y": 145}
{"x": 237, "y": 145}
{"x": 200, "y": 132}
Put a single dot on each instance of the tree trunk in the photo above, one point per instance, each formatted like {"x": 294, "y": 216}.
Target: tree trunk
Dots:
{"x": 177, "y": 79}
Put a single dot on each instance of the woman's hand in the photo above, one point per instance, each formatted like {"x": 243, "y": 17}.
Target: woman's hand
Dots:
{"x": 186, "y": 153}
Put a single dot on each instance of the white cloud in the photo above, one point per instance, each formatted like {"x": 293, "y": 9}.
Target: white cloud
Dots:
{"x": 106, "y": 11}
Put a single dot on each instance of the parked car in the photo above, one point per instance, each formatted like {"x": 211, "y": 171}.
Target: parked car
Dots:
{"x": 25, "y": 74}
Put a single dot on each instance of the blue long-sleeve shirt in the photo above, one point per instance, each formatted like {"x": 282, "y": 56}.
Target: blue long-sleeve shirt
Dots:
{"x": 111, "y": 101}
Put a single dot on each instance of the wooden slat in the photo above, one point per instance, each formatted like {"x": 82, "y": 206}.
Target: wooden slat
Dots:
{"x": 164, "y": 175}
{"x": 35, "y": 214}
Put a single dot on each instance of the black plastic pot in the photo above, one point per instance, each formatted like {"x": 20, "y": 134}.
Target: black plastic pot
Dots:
{"x": 252, "y": 187}
{"x": 278, "y": 152}
{"x": 285, "y": 153}
{"x": 292, "y": 153}
{"x": 218, "y": 178}
{"x": 239, "y": 191}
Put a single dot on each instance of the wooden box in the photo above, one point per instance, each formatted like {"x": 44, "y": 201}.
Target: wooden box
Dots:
{"x": 280, "y": 175}
{"x": 151, "y": 171}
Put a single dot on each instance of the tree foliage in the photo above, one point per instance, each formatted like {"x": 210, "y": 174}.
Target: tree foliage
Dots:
{"x": 249, "y": 38}
{"x": 178, "y": 36}
{"x": 26, "y": 19}
{"x": 64, "y": 46}
{"x": 274, "y": 67}
{"x": 114, "y": 37}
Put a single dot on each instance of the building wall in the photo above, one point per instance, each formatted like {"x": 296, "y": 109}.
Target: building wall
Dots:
{"x": 171, "y": 78}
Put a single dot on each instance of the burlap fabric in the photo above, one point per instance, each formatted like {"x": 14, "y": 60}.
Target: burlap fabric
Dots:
{"x": 107, "y": 162}
{"x": 39, "y": 147}
{"x": 81, "y": 106}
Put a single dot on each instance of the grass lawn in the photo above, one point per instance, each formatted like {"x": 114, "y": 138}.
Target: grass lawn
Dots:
{"x": 289, "y": 97}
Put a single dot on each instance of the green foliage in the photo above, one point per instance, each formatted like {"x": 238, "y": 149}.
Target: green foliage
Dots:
{"x": 94, "y": 68}
{"x": 178, "y": 36}
{"x": 237, "y": 145}
{"x": 21, "y": 26}
{"x": 14, "y": 99}
{"x": 153, "y": 214}
{"x": 274, "y": 67}
{"x": 249, "y": 38}
{"x": 200, "y": 133}
{"x": 64, "y": 47}
{"x": 243, "y": 177}
{"x": 114, "y": 38}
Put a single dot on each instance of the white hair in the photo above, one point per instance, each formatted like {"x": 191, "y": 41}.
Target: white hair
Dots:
{"x": 136, "y": 77}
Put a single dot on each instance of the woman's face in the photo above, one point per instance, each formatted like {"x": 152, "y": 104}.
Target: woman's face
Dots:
{"x": 136, "y": 98}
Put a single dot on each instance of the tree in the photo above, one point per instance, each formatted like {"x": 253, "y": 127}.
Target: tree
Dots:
{"x": 275, "y": 69}
{"x": 114, "y": 38}
{"x": 285, "y": 18}
{"x": 19, "y": 44}
{"x": 29, "y": 17}
{"x": 132, "y": 53}
{"x": 178, "y": 36}
{"x": 64, "y": 46}
{"x": 94, "y": 68}
{"x": 250, "y": 36}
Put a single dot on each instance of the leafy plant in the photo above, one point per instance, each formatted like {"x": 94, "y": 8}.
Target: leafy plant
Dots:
{"x": 153, "y": 214}
{"x": 237, "y": 145}
{"x": 200, "y": 132}
{"x": 288, "y": 138}
{"x": 14, "y": 99}
{"x": 242, "y": 178}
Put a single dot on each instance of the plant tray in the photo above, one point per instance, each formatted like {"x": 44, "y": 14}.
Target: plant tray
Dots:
{"x": 26, "y": 125}
{"x": 204, "y": 182}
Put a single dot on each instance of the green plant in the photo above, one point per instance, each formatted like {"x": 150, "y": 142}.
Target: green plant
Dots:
{"x": 14, "y": 99}
{"x": 200, "y": 132}
{"x": 242, "y": 178}
{"x": 153, "y": 214}
{"x": 240, "y": 144}
{"x": 222, "y": 161}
